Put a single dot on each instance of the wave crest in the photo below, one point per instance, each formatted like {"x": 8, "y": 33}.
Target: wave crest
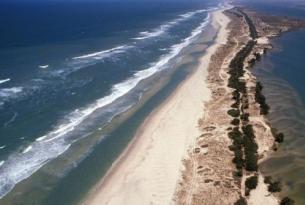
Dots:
{"x": 21, "y": 165}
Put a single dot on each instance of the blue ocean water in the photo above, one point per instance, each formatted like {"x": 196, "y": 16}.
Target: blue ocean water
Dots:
{"x": 67, "y": 70}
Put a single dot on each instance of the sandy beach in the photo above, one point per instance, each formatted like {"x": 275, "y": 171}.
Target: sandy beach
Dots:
{"x": 150, "y": 168}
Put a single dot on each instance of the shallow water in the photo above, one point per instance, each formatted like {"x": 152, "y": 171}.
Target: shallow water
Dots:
{"x": 282, "y": 73}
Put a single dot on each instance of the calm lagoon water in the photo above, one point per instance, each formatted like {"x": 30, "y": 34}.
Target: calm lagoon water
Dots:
{"x": 282, "y": 73}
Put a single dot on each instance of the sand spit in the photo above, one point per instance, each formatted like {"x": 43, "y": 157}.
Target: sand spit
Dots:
{"x": 181, "y": 153}
{"x": 210, "y": 177}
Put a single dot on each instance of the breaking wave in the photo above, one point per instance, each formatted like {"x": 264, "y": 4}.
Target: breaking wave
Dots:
{"x": 163, "y": 28}
{"x": 105, "y": 53}
{"x": 20, "y": 165}
{"x": 4, "y": 80}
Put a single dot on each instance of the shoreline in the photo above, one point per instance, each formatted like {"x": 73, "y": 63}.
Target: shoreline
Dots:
{"x": 222, "y": 167}
{"x": 149, "y": 147}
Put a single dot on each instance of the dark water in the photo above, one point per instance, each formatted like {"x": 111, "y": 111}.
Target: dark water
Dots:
{"x": 282, "y": 72}
{"x": 68, "y": 70}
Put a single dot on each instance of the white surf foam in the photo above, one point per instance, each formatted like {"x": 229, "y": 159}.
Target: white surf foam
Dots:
{"x": 2, "y": 147}
{"x": 104, "y": 53}
{"x": 19, "y": 166}
{"x": 43, "y": 66}
{"x": 147, "y": 34}
{"x": 192, "y": 13}
{"x": 7, "y": 92}
{"x": 4, "y": 80}
{"x": 41, "y": 138}
{"x": 1, "y": 163}
{"x": 163, "y": 28}
{"x": 27, "y": 149}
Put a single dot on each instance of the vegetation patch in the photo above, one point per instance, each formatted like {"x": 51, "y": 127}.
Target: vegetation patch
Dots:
{"x": 260, "y": 99}
{"x": 250, "y": 148}
{"x": 234, "y": 112}
{"x": 251, "y": 183}
{"x": 287, "y": 201}
{"x": 273, "y": 186}
{"x": 241, "y": 201}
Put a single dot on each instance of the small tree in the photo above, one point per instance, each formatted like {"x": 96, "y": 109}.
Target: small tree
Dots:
{"x": 251, "y": 182}
{"x": 233, "y": 112}
{"x": 287, "y": 201}
{"x": 235, "y": 105}
{"x": 241, "y": 201}
{"x": 279, "y": 137}
{"x": 245, "y": 117}
{"x": 274, "y": 187}
{"x": 235, "y": 121}
{"x": 268, "y": 179}
{"x": 238, "y": 173}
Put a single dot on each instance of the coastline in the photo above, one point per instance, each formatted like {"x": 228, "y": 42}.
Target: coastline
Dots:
{"x": 236, "y": 136}
{"x": 149, "y": 168}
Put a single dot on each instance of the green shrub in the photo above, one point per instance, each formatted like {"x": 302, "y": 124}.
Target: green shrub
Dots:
{"x": 267, "y": 179}
{"x": 260, "y": 98}
{"x": 251, "y": 61}
{"x": 250, "y": 148}
{"x": 287, "y": 201}
{"x": 241, "y": 201}
{"x": 251, "y": 182}
{"x": 279, "y": 137}
{"x": 235, "y": 133}
{"x": 245, "y": 117}
{"x": 235, "y": 121}
{"x": 258, "y": 56}
{"x": 251, "y": 162}
{"x": 238, "y": 158}
{"x": 239, "y": 173}
{"x": 236, "y": 95}
{"x": 264, "y": 109}
{"x": 235, "y": 105}
{"x": 274, "y": 187}
{"x": 234, "y": 112}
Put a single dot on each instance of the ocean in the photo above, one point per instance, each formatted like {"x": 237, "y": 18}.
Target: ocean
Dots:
{"x": 282, "y": 74}
{"x": 77, "y": 79}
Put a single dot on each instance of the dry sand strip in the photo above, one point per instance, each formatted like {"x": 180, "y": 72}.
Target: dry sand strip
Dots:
{"x": 149, "y": 169}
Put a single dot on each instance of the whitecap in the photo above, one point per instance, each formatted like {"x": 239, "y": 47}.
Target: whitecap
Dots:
{"x": 27, "y": 149}
{"x": 41, "y": 138}
{"x": 7, "y": 94}
{"x": 104, "y": 53}
{"x": 43, "y": 66}
{"x": 20, "y": 166}
{"x": 2, "y": 147}
{"x": 192, "y": 13}
{"x": 120, "y": 89}
{"x": 10, "y": 92}
{"x": 163, "y": 28}
{"x": 147, "y": 34}
{"x": 4, "y": 80}
{"x": 1, "y": 163}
